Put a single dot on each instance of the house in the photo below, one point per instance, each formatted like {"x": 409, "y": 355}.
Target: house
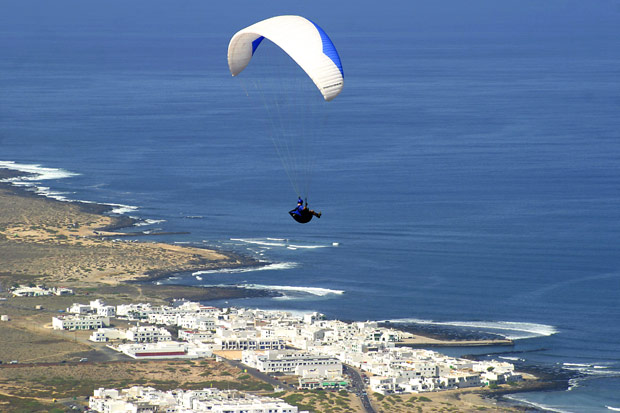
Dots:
{"x": 143, "y": 334}
{"x": 80, "y": 322}
{"x": 103, "y": 335}
{"x": 288, "y": 361}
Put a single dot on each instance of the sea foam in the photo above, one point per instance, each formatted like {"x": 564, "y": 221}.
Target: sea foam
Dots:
{"x": 317, "y": 291}
{"x": 39, "y": 173}
{"x": 147, "y": 222}
{"x": 273, "y": 266}
{"x": 509, "y": 329}
{"x": 545, "y": 407}
{"x": 592, "y": 370}
{"x": 279, "y": 243}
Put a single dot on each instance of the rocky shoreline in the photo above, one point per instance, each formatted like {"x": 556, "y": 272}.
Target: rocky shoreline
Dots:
{"x": 51, "y": 232}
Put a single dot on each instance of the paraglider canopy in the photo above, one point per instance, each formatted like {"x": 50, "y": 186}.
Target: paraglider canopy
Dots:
{"x": 293, "y": 58}
{"x": 304, "y": 41}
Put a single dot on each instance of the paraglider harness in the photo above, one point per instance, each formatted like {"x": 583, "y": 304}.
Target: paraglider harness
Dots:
{"x": 302, "y": 215}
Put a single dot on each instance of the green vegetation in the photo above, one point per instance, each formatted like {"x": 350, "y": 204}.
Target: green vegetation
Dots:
{"x": 294, "y": 398}
{"x": 19, "y": 405}
{"x": 163, "y": 384}
{"x": 319, "y": 400}
{"x": 277, "y": 395}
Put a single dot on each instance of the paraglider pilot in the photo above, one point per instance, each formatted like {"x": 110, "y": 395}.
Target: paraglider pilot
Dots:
{"x": 302, "y": 214}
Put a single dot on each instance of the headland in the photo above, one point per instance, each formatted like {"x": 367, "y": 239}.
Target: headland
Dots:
{"x": 77, "y": 244}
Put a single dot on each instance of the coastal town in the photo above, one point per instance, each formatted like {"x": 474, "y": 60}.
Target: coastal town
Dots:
{"x": 299, "y": 351}
{"x": 79, "y": 335}
{"x": 308, "y": 347}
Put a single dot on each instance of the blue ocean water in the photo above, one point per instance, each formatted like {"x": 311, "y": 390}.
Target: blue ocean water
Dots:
{"x": 465, "y": 179}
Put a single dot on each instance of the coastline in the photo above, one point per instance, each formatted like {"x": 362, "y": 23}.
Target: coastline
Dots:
{"x": 71, "y": 242}
{"x": 84, "y": 227}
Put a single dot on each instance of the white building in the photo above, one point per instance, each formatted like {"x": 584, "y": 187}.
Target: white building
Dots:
{"x": 194, "y": 335}
{"x": 147, "y": 399}
{"x": 194, "y": 322}
{"x": 166, "y": 350}
{"x": 103, "y": 335}
{"x": 248, "y": 343}
{"x": 288, "y": 361}
{"x": 25, "y": 291}
{"x": 460, "y": 380}
{"x": 100, "y": 307}
{"x": 80, "y": 322}
{"x": 134, "y": 311}
{"x": 148, "y": 334}
{"x": 78, "y": 308}
{"x": 62, "y": 291}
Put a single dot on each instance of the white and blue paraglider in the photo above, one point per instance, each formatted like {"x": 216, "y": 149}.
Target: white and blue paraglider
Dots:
{"x": 295, "y": 72}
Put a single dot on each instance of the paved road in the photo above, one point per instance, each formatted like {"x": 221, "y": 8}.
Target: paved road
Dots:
{"x": 359, "y": 388}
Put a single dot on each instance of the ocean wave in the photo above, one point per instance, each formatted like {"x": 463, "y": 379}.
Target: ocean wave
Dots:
{"x": 545, "y": 407}
{"x": 38, "y": 172}
{"x": 279, "y": 242}
{"x": 573, "y": 384}
{"x": 146, "y": 222}
{"x": 510, "y": 358}
{"x": 121, "y": 209}
{"x": 615, "y": 409}
{"x": 511, "y": 330}
{"x": 317, "y": 291}
{"x": 576, "y": 365}
{"x": 273, "y": 266}
{"x": 593, "y": 370}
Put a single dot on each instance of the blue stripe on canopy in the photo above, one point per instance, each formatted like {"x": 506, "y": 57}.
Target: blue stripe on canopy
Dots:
{"x": 329, "y": 49}
{"x": 255, "y": 44}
